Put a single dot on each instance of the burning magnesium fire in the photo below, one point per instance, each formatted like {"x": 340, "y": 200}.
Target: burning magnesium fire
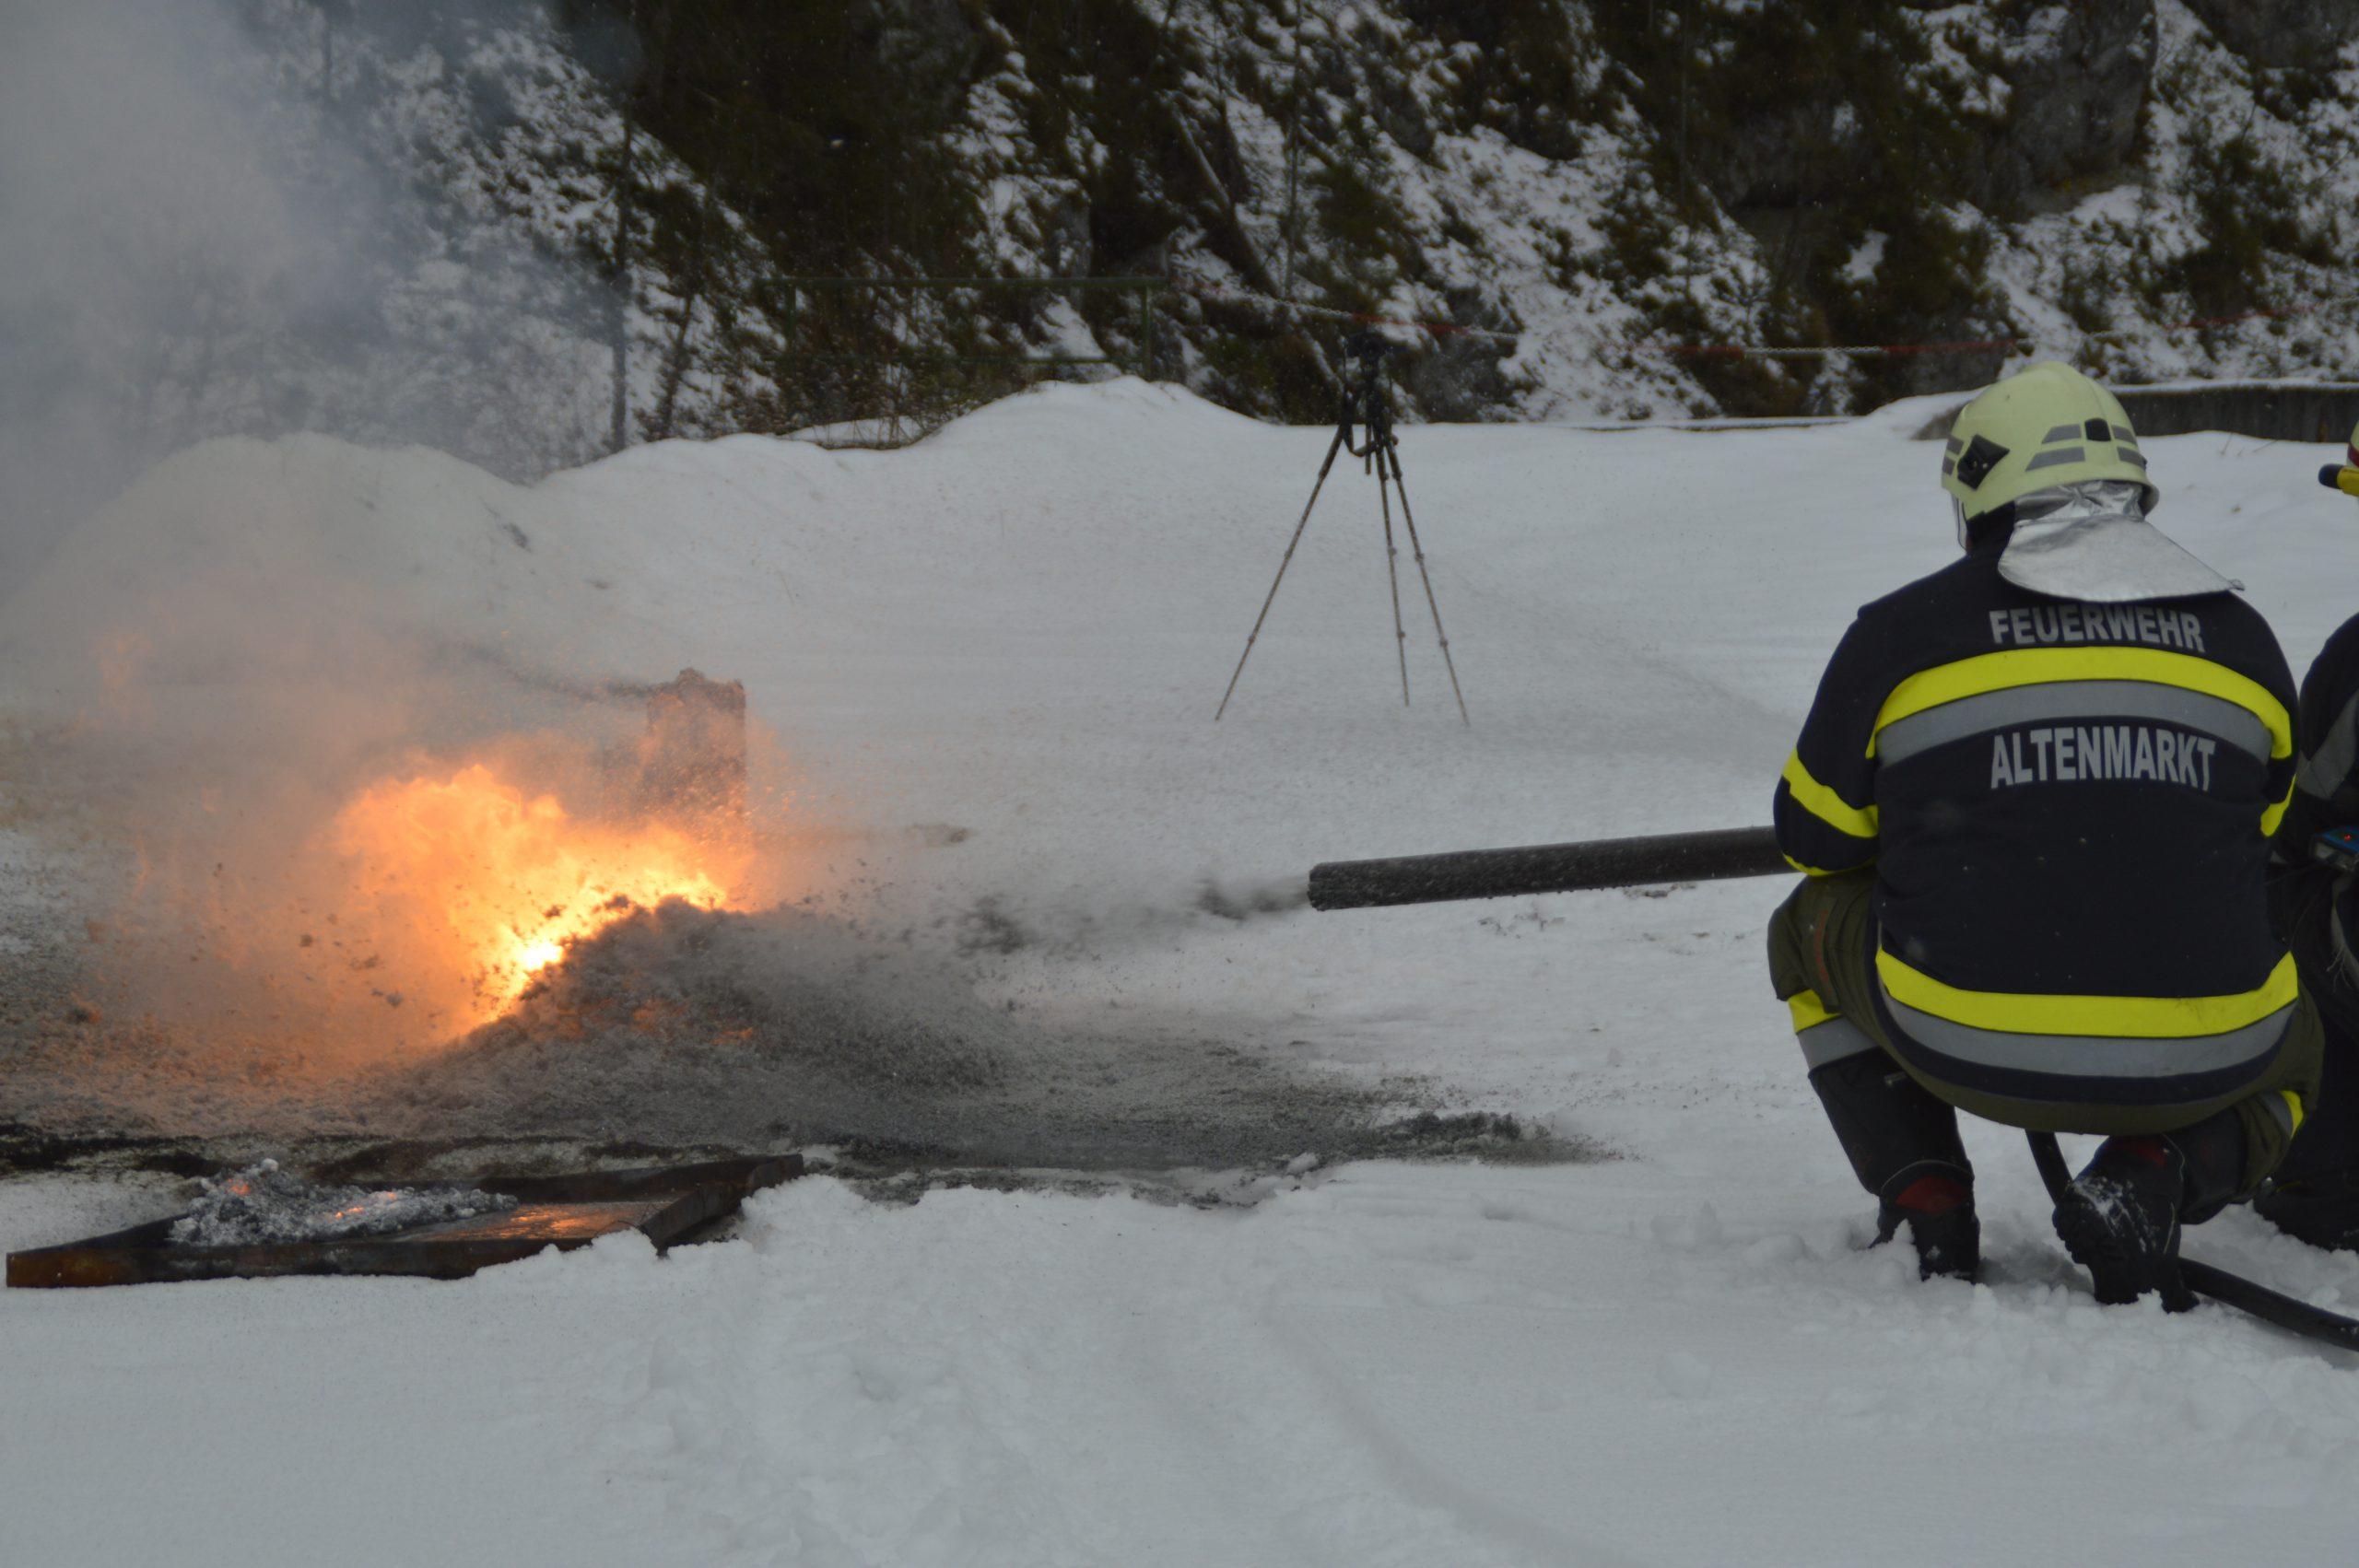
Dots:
{"x": 497, "y": 883}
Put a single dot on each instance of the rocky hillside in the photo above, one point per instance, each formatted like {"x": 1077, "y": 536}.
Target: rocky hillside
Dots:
{"x": 1595, "y": 178}
{"x": 527, "y": 232}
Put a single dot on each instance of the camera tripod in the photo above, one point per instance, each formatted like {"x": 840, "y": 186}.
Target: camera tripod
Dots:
{"x": 1366, "y": 402}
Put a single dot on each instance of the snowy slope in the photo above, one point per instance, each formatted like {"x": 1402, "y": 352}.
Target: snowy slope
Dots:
{"x": 1592, "y": 182}
{"x": 1021, "y": 627}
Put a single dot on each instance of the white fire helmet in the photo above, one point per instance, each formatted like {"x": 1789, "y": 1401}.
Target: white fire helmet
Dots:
{"x": 2059, "y": 447}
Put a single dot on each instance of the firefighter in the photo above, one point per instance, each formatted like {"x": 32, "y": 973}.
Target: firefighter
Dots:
{"x": 2316, "y": 1194}
{"x": 2033, "y": 804}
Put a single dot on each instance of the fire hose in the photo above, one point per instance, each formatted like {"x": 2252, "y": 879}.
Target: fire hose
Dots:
{"x": 1712, "y": 856}
{"x": 1546, "y": 868}
{"x": 2229, "y": 1290}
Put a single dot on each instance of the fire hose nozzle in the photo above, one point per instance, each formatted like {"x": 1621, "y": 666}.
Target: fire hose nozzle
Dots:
{"x": 2340, "y": 476}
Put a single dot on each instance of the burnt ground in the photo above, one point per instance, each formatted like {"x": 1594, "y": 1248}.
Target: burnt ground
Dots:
{"x": 683, "y": 1034}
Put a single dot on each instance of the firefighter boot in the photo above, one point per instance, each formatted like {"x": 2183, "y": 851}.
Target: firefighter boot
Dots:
{"x": 1904, "y": 1147}
{"x": 2120, "y": 1218}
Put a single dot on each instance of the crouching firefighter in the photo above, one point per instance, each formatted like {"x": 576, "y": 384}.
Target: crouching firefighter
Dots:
{"x": 2033, "y": 801}
{"x": 2315, "y": 888}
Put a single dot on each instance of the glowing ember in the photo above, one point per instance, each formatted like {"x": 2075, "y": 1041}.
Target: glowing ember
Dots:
{"x": 498, "y": 882}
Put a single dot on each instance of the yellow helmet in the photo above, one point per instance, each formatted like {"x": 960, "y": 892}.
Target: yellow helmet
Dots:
{"x": 2039, "y": 428}
{"x": 2344, "y": 476}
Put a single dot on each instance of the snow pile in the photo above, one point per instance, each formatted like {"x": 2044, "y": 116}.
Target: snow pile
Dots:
{"x": 263, "y": 1204}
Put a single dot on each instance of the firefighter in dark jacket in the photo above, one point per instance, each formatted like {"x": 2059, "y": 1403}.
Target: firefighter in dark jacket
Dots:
{"x": 2033, "y": 804}
{"x": 2317, "y": 900}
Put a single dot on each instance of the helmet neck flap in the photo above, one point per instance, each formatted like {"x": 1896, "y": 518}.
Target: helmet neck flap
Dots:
{"x": 2090, "y": 542}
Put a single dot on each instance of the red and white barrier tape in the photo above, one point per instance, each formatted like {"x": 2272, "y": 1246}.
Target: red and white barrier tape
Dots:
{"x": 1227, "y": 295}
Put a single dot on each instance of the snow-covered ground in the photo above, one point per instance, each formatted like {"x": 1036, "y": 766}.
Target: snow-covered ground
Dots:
{"x": 1675, "y": 1354}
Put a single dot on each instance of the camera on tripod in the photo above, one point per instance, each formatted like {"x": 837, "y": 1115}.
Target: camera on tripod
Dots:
{"x": 1366, "y": 402}
{"x": 1369, "y": 346}
{"x": 1368, "y": 396}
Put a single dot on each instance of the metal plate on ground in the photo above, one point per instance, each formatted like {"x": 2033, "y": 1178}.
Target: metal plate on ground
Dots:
{"x": 665, "y": 1204}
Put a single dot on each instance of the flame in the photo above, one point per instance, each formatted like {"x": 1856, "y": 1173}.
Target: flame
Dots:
{"x": 499, "y": 883}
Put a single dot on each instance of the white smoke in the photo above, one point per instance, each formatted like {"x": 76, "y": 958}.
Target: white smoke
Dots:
{"x": 131, "y": 217}
{"x": 209, "y": 224}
